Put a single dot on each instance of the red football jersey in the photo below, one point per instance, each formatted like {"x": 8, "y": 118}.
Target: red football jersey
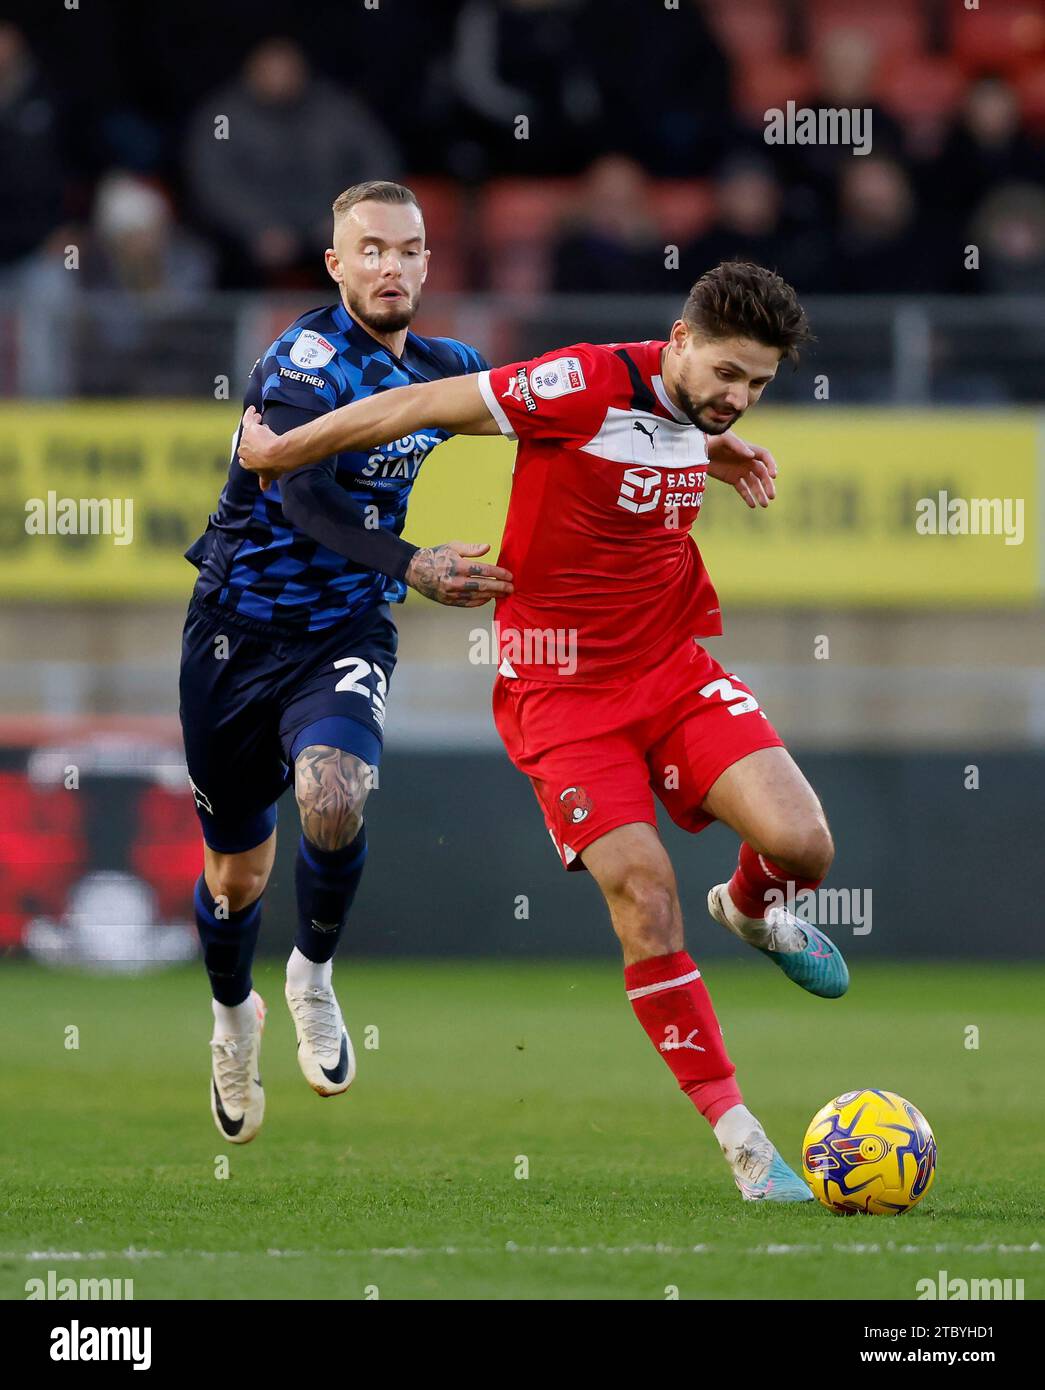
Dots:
{"x": 609, "y": 478}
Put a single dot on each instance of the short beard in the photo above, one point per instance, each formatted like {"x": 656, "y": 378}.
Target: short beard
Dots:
{"x": 390, "y": 320}
{"x": 694, "y": 413}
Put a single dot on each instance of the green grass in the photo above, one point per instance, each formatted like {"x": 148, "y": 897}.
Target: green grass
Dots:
{"x": 408, "y": 1182}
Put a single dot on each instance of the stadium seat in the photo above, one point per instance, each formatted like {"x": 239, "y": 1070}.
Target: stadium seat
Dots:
{"x": 755, "y": 27}
{"x": 920, "y": 88}
{"x": 682, "y": 207}
{"x": 896, "y": 26}
{"x": 441, "y": 203}
{"x": 764, "y": 82}
{"x": 1004, "y": 36}
{"x": 518, "y": 220}
{"x": 1030, "y": 87}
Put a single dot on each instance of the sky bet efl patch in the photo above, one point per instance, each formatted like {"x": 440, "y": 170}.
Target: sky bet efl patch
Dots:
{"x": 311, "y": 349}
{"x": 557, "y": 378}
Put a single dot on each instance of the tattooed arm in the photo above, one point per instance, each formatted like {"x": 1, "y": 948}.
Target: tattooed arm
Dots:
{"x": 448, "y": 574}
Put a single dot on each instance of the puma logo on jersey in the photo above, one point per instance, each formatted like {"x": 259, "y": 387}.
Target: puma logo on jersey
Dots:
{"x": 648, "y": 433}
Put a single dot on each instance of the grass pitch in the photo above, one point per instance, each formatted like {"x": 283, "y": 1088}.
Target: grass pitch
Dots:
{"x": 408, "y": 1184}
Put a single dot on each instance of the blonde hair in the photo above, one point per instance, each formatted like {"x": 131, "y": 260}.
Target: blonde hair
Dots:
{"x": 373, "y": 191}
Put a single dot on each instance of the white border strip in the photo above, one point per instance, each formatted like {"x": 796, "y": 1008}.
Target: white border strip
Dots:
{"x": 493, "y": 405}
{"x": 643, "y": 990}
{"x": 510, "y": 1247}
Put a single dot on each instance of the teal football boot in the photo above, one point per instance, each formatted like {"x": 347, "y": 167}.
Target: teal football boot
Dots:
{"x": 761, "y": 1174}
{"x": 802, "y": 951}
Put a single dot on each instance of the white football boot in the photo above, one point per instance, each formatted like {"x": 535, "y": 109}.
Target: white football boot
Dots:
{"x": 325, "y": 1053}
{"x": 758, "y": 1170}
{"x": 237, "y": 1100}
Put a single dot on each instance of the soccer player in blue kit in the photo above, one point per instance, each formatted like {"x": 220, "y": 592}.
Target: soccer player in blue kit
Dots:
{"x": 289, "y": 644}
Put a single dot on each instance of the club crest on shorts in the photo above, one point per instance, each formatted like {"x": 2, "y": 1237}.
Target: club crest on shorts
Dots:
{"x": 576, "y": 804}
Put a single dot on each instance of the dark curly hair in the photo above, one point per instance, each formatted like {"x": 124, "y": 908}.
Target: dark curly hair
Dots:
{"x": 739, "y": 299}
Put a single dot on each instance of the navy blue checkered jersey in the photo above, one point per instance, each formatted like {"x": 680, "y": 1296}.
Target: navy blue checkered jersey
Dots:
{"x": 250, "y": 557}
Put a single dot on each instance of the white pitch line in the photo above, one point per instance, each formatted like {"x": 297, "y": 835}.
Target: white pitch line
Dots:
{"x": 511, "y": 1248}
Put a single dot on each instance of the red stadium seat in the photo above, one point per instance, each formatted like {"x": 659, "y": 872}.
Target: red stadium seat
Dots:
{"x": 682, "y": 207}
{"x": 518, "y": 220}
{"x": 763, "y": 83}
{"x": 920, "y": 88}
{"x": 897, "y": 27}
{"x": 748, "y": 27}
{"x": 441, "y": 204}
{"x": 1030, "y": 86}
{"x": 1003, "y": 36}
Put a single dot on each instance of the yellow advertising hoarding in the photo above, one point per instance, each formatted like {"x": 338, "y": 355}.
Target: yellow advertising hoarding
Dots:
{"x": 874, "y": 506}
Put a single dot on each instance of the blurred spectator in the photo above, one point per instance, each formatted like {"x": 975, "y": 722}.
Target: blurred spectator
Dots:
{"x": 984, "y": 147}
{"x": 294, "y": 142}
{"x": 135, "y": 251}
{"x": 747, "y": 224}
{"x": 664, "y": 84}
{"x": 135, "y": 244}
{"x": 32, "y": 236}
{"x": 30, "y": 160}
{"x": 522, "y": 58}
{"x": 846, "y": 64}
{"x": 877, "y": 248}
{"x": 1009, "y": 230}
{"x": 610, "y": 244}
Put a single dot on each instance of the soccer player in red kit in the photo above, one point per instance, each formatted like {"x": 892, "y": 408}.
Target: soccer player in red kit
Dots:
{"x": 604, "y": 696}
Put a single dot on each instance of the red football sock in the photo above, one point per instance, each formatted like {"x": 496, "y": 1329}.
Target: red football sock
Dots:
{"x": 672, "y": 1004}
{"x": 757, "y": 876}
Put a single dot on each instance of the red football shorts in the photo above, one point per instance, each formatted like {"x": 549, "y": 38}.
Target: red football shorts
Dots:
{"x": 597, "y": 755}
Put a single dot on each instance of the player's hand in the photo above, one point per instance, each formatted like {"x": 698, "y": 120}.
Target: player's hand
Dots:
{"x": 748, "y": 468}
{"x": 257, "y": 449}
{"x": 449, "y": 574}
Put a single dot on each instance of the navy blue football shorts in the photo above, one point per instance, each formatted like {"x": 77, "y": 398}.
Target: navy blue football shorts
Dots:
{"x": 252, "y": 699}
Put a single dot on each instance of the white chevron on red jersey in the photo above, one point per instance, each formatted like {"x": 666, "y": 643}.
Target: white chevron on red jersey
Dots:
{"x": 609, "y": 478}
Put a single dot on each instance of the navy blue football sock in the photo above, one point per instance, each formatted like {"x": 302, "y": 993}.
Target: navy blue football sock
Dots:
{"x": 326, "y": 881}
{"x": 228, "y": 945}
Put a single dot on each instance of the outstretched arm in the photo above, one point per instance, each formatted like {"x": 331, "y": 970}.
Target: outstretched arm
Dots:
{"x": 453, "y": 404}
{"x": 316, "y": 504}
